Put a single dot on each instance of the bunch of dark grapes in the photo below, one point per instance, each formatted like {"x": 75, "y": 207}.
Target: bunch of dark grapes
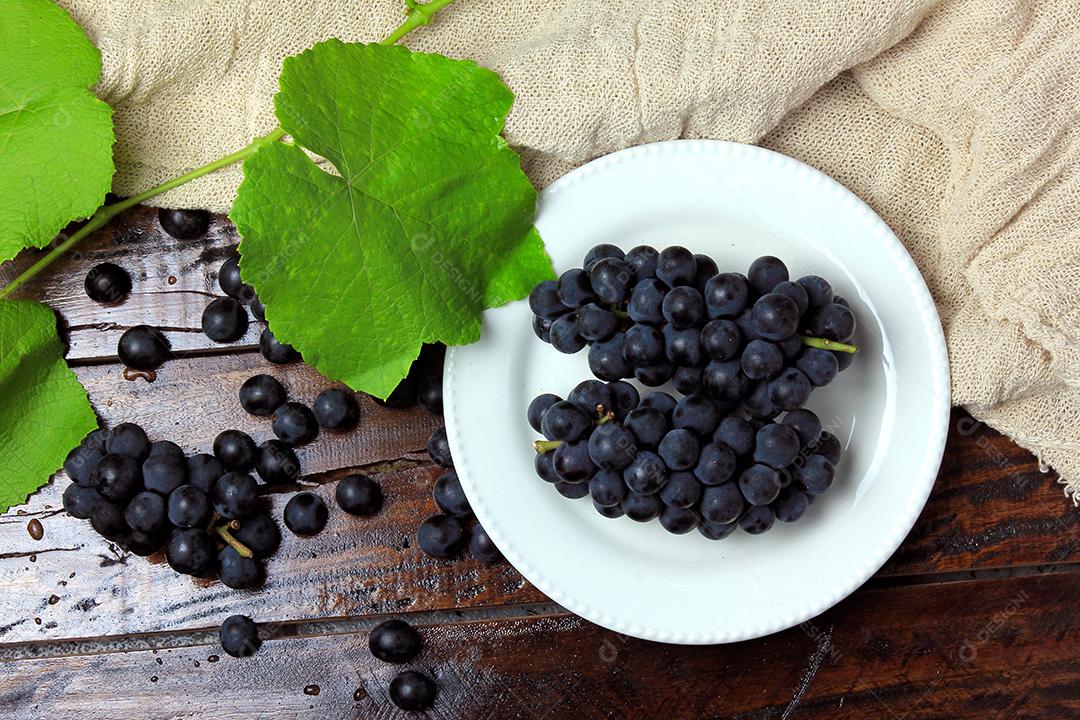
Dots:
{"x": 744, "y": 351}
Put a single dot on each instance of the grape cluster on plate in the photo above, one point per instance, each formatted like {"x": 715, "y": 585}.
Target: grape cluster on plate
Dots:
{"x": 737, "y": 449}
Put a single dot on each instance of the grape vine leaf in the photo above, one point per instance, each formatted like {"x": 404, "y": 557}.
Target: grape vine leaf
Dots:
{"x": 44, "y": 411}
{"x": 428, "y": 222}
{"x": 55, "y": 136}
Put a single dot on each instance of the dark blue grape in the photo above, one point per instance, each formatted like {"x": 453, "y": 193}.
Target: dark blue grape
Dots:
{"x": 204, "y": 471}
{"x": 592, "y": 396}
{"x": 261, "y": 395}
{"x": 641, "y": 508}
{"x": 294, "y": 423}
{"x": 128, "y": 439}
{"x": 80, "y": 462}
{"x": 538, "y": 407}
{"x": 544, "y": 464}
{"x": 542, "y": 328}
{"x": 721, "y": 339}
{"x": 722, "y": 504}
{"x": 759, "y": 484}
{"x": 765, "y": 273}
{"x": 706, "y": 269}
{"x": 642, "y": 260}
{"x": 572, "y": 462}
{"x": 624, "y": 398}
{"x": 661, "y": 401}
{"x": 833, "y": 322}
{"x": 776, "y": 445}
{"x": 647, "y": 302}
{"x": 815, "y": 475}
{"x": 761, "y": 360}
{"x": 643, "y": 346}
{"x": 165, "y": 469}
{"x": 818, "y": 290}
{"x": 745, "y": 323}
{"x": 565, "y": 421}
{"x": 146, "y": 512}
{"x": 683, "y": 347}
{"x": 190, "y": 551}
{"x": 758, "y": 403}
{"x": 607, "y": 488}
{"x": 676, "y": 266}
{"x": 238, "y": 572}
{"x": 606, "y": 359}
{"x": 143, "y": 348}
{"x": 716, "y": 531}
{"x": 679, "y": 449}
{"x": 805, "y": 424}
{"x": 736, "y": 433}
{"x": 794, "y": 291}
{"x": 575, "y": 289}
{"x": 790, "y": 505}
{"x": 224, "y": 320}
{"x": 233, "y": 448}
{"x": 599, "y": 252}
{"x": 229, "y": 281}
{"x": 235, "y": 496}
{"x": 648, "y": 425}
{"x": 775, "y": 316}
{"x": 790, "y": 389}
{"x": 683, "y": 307}
{"x": 696, "y": 413}
{"x": 681, "y": 490}
{"x": 726, "y": 295}
{"x": 828, "y": 446}
{"x": 843, "y": 360}
{"x": 450, "y": 497}
{"x": 595, "y": 323}
{"x": 439, "y": 536}
{"x": 612, "y": 447}
{"x": 107, "y": 283}
{"x": 336, "y": 408}
{"x": 677, "y": 520}
{"x": 611, "y": 279}
{"x": 564, "y": 335}
{"x": 107, "y": 520}
{"x": 183, "y": 224}
{"x": 360, "y": 495}
{"x": 276, "y": 351}
{"x": 758, "y": 519}
{"x": 687, "y": 380}
{"x": 725, "y": 380}
{"x": 655, "y": 375}
{"x": 188, "y": 507}
{"x": 646, "y": 475}
{"x": 79, "y": 501}
{"x": 572, "y": 491}
{"x": 482, "y": 547}
{"x": 117, "y": 477}
{"x": 615, "y": 511}
{"x": 716, "y": 464}
{"x": 259, "y": 534}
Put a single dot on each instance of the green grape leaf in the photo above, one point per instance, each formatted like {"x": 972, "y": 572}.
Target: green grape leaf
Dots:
{"x": 427, "y": 222}
{"x": 55, "y": 136}
{"x": 44, "y": 411}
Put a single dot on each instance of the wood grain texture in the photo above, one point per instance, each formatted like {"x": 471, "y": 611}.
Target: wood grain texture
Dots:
{"x": 892, "y": 654}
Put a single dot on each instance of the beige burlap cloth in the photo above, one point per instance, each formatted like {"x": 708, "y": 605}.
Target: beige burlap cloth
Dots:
{"x": 956, "y": 120}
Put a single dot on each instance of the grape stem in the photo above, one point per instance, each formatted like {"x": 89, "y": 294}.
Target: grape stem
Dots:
{"x": 825, "y": 344}
{"x": 546, "y": 446}
{"x": 225, "y": 534}
{"x": 416, "y": 15}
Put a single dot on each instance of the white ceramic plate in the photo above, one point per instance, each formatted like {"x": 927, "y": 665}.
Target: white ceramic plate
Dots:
{"x": 890, "y": 409}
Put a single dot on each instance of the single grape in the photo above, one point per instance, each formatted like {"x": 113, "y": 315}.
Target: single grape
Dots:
{"x": 687, "y": 380}
{"x": 224, "y": 320}
{"x": 143, "y": 348}
{"x": 655, "y": 375}
{"x": 790, "y": 505}
{"x": 450, "y": 497}
{"x": 230, "y": 283}
{"x": 305, "y": 514}
{"x": 606, "y": 359}
{"x": 775, "y": 316}
{"x": 815, "y": 475}
{"x": 828, "y": 446}
{"x": 833, "y": 322}
{"x": 759, "y": 484}
{"x": 572, "y": 490}
{"x": 776, "y": 445}
{"x": 236, "y": 571}
{"x": 716, "y": 531}
{"x": 564, "y": 335}
{"x": 107, "y": 283}
{"x": 796, "y": 292}
{"x": 280, "y": 353}
{"x": 235, "y": 495}
{"x": 612, "y": 446}
{"x": 642, "y": 260}
{"x": 146, "y": 512}
{"x": 572, "y": 462}
{"x": 721, "y": 339}
{"x": 184, "y": 224}
{"x": 611, "y": 279}
{"x": 79, "y": 501}
{"x": 607, "y": 488}
{"x": 575, "y": 289}
{"x": 566, "y": 421}
{"x": 599, "y": 252}
{"x": 482, "y": 547}
{"x": 722, "y": 504}
{"x": 649, "y": 426}
{"x": 394, "y": 641}
{"x": 294, "y": 423}
{"x": 595, "y": 323}
{"x": 736, "y": 433}
{"x": 107, "y": 519}
{"x": 725, "y": 380}
{"x": 805, "y": 424}
{"x": 676, "y": 266}
{"x": 758, "y": 403}
{"x": 190, "y": 551}
{"x": 641, "y": 508}
{"x": 259, "y": 534}
{"x": 757, "y": 519}
{"x": 696, "y": 413}
{"x": 819, "y": 366}
{"x": 276, "y": 463}
{"x": 117, "y": 477}
{"x": 761, "y": 360}
{"x": 706, "y": 269}
{"x": 677, "y": 520}
{"x": 592, "y": 397}
{"x": 235, "y": 450}
{"x": 647, "y": 302}
{"x": 428, "y": 395}
{"x": 239, "y": 636}
{"x": 658, "y": 400}
{"x": 765, "y": 273}
{"x": 412, "y": 690}
{"x": 624, "y": 398}
{"x": 261, "y": 395}
{"x": 441, "y": 536}
{"x": 681, "y": 490}
{"x": 646, "y": 475}
{"x": 683, "y": 307}
{"x": 726, "y": 295}
{"x": 361, "y": 496}
{"x": 615, "y": 511}
{"x": 716, "y": 464}
{"x": 188, "y": 507}
{"x": 204, "y": 471}
{"x": 643, "y": 346}
{"x": 790, "y": 389}
{"x": 679, "y": 449}
{"x": 336, "y": 409}
{"x": 535, "y": 413}
{"x": 81, "y": 461}
{"x": 683, "y": 347}
{"x": 818, "y": 291}
{"x": 544, "y": 301}
{"x": 438, "y": 446}
{"x": 544, "y": 464}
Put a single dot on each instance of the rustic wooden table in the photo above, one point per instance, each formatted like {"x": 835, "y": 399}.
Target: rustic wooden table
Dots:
{"x": 975, "y": 616}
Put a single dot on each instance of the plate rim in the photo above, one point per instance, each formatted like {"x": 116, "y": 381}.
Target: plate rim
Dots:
{"x": 922, "y": 482}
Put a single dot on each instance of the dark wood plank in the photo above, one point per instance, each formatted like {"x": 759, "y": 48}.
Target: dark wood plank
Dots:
{"x": 1003, "y": 648}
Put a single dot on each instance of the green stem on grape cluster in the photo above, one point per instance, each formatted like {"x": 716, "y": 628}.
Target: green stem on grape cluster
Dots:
{"x": 825, "y": 344}
{"x": 546, "y": 446}
{"x": 241, "y": 549}
{"x": 417, "y": 15}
